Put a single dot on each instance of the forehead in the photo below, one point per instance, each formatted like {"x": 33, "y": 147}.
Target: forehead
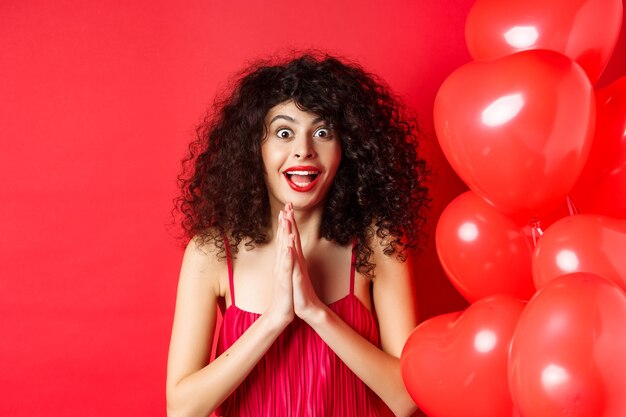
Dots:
{"x": 290, "y": 112}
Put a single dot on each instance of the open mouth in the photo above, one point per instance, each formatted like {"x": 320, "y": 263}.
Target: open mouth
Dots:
{"x": 302, "y": 179}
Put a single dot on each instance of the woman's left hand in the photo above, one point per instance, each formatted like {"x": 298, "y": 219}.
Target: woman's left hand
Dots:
{"x": 306, "y": 303}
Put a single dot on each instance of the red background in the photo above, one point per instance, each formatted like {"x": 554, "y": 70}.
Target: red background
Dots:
{"x": 97, "y": 103}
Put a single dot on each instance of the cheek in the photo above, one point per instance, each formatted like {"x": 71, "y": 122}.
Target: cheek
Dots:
{"x": 270, "y": 156}
{"x": 335, "y": 157}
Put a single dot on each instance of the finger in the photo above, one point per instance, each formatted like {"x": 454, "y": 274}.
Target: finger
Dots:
{"x": 292, "y": 218}
{"x": 296, "y": 232}
{"x": 287, "y": 226}
{"x": 297, "y": 271}
{"x": 285, "y": 232}
{"x": 288, "y": 261}
{"x": 283, "y": 257}
{"x": 279, "y": 234}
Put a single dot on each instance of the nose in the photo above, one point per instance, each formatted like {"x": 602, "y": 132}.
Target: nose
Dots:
{"x": 303, "y": 155}
{"x": 303, "y": 149}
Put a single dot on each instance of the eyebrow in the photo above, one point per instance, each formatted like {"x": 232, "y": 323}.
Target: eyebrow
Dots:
{"x": 291, "y": 119}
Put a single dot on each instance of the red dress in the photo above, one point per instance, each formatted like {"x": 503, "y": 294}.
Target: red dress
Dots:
{"x": 300, "y": 375}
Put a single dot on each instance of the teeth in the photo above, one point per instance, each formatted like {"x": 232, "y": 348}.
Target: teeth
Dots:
{"x": 302, "y": 172}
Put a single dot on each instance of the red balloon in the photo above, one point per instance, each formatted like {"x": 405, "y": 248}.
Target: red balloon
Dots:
{"x": 601, "y": 188}
{"x": 517, "y": 130}
{"x": 582, "y": 243}
{"x": 482, "y": 251}
{"x": 456, "y": 364}
{"x": 568, "y": 350}
{"x": 584, "y": 30}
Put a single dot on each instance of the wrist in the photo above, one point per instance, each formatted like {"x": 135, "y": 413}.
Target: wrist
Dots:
{"x": 316, "y": 315}
{"x": 277, "y": 321}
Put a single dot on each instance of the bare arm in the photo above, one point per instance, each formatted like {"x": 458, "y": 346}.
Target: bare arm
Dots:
{"x": 378, "y": 369}
{"x": 395, "y": 307}
{"x": 194, "y": 386}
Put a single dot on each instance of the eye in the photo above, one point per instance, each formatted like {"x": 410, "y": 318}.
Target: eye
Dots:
{"x": 284, "y": 133}
{"x": 323, "y": 132}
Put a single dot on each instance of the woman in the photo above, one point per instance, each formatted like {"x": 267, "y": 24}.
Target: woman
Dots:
{"x": 300, "y": 198}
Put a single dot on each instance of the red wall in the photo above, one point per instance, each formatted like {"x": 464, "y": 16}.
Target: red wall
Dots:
{"x": 97, "y": 103}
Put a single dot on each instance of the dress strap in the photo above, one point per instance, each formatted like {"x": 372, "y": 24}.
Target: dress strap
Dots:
{"x": 352, "y": 266}
{"x": 229, "y": 261}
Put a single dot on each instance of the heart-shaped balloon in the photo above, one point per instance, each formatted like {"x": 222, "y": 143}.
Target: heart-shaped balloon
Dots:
{"x": 568, "y": 353}
{"x": 582, "y": 243}
{"x": 584, "y": 30}
{"x": 601, "y": 188}
{"x": 482, "y": 251}
{"x": 455, "y": 365}
{"x": 518, "y": 129}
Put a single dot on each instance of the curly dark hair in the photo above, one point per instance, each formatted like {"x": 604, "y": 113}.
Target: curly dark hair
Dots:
{"x": 379, "y": 187}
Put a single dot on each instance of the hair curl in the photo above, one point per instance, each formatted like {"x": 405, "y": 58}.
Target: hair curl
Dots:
{"x": 378, "y": 190}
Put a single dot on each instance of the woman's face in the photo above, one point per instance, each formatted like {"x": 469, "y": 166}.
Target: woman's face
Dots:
{"x": 300, "y": 154}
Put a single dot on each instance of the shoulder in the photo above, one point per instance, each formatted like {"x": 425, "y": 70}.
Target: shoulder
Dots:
{"x": 386, "y": 264}
{"x": 204, "y": 248}
{"x": 205, "y": 262}
{"x": 203, "y": 252}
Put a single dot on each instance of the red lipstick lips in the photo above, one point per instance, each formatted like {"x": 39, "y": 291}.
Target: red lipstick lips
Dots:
{"x": 302, "y": 178}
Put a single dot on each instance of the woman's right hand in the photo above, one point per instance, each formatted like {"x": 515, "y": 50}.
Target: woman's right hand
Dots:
{"x": 281, "y": 307}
